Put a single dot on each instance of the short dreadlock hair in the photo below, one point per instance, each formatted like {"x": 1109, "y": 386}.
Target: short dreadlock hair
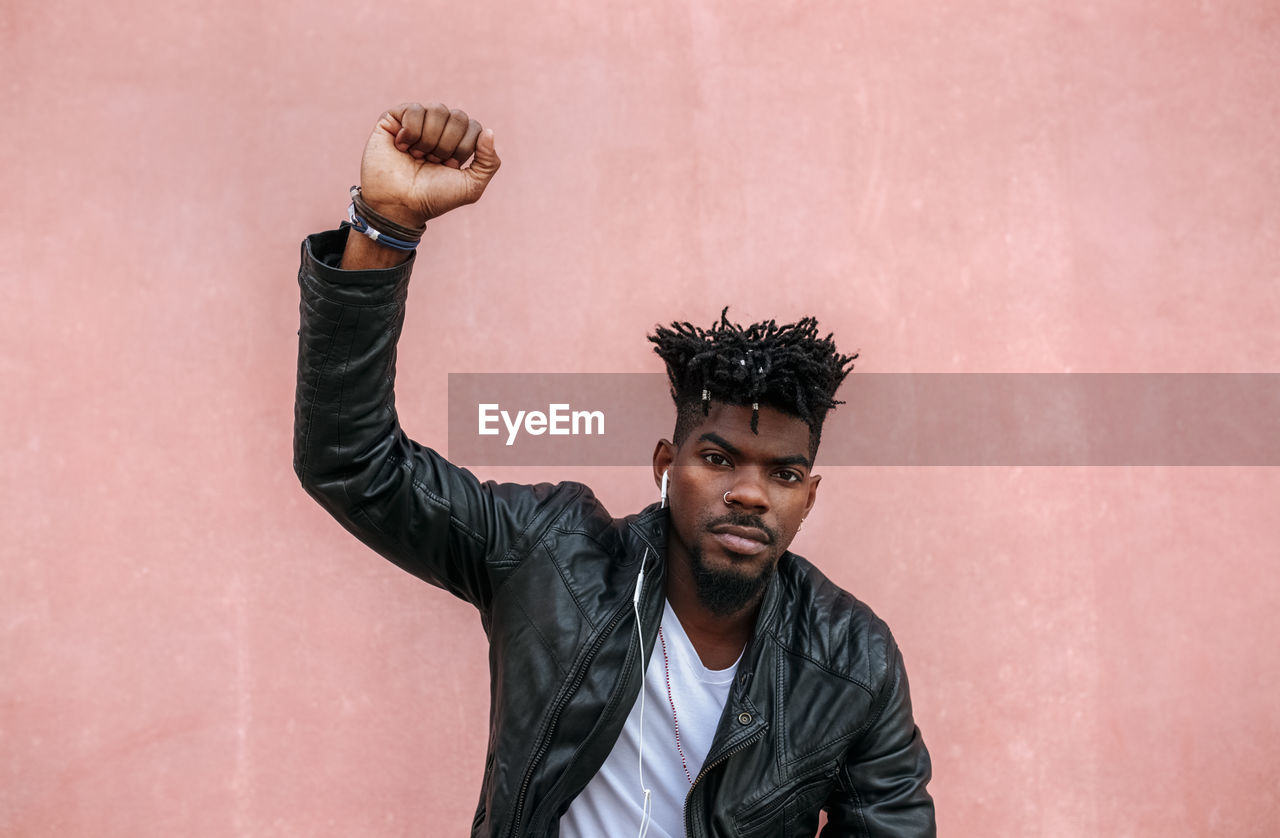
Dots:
{"x": 789, "y": 368}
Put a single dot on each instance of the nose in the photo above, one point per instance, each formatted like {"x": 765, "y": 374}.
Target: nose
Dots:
{"x": 748, "y": 491}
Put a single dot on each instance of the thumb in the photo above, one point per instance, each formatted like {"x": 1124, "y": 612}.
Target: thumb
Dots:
{"x": 486, "y": 161}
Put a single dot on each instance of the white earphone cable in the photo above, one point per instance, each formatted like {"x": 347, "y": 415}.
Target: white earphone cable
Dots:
{"x": 646, "y": 816}
{"x": 647, "y": 807}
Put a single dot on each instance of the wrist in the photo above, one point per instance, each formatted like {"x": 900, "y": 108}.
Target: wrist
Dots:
{"x": 399, "y": 213}
{"x": 364, "y": 254}
{"x": 389, "y": 209}
{"x": 379, "y": 228}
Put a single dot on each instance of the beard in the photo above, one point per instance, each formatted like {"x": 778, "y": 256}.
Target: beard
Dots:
{"x": 726, "y": 592}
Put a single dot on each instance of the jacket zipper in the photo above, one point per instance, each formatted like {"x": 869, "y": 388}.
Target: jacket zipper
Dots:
{"x": 738, "y": 747}
{"x": 555, "y": 717}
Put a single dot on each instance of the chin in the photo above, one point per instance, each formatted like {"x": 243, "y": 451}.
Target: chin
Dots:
{"x": 727, "y": 582}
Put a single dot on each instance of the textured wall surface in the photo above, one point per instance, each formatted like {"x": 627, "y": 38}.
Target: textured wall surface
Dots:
{"x": 189, "y": 646}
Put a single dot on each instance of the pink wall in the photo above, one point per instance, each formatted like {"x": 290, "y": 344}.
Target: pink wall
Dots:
{"x": 188, "y": 646}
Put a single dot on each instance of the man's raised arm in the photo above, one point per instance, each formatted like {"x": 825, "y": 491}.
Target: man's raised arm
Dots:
{"x": 433, "y": 519}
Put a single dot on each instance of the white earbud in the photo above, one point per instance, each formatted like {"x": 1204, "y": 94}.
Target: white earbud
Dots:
{"x": 664, "y": 488}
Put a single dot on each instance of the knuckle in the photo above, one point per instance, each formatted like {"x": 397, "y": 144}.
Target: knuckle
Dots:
{"x": 459, "y": 115}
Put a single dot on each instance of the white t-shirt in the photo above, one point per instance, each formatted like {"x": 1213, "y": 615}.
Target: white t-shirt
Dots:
{"x": 612, "y": 804}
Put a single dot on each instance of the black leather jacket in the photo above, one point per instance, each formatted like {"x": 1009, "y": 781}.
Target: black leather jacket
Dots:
{"x": 818, "y": 716}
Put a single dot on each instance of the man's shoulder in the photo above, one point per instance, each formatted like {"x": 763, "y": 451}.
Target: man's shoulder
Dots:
{"x": 574, "y": 513}
{"x": 818, "y": 621}
{"x": 566, "y": 506}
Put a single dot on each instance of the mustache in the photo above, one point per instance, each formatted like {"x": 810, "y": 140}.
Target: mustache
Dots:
{"x": 742, "y": 520}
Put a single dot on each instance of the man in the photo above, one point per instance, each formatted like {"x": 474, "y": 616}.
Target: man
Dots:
{"x": 673, "y": 672}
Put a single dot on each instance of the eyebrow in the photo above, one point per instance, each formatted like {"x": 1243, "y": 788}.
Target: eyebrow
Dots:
{"x": 791, "y": 460}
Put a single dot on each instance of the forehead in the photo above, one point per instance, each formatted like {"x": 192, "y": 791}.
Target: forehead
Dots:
{"x": 781, "y": 434}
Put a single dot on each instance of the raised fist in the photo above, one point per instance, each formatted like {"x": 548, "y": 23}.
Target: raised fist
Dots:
{"x": 412, "y": 168}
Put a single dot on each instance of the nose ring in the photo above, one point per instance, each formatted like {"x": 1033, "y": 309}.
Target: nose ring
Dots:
{"x": 726, "y": 498}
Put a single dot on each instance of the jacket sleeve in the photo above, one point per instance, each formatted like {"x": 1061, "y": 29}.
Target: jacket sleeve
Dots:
{"x": 881, "y": 785}
{"x": 407, "y": 502}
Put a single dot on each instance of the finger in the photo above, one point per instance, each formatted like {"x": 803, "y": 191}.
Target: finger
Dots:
{"x": 454, "y": 130}
{"x": 467, "y": 145}
{"x": 435, "y": 117}
{"x": 410, "y": 132}
{"x": 486, "y": 164}
{"x": 390, "y": 120}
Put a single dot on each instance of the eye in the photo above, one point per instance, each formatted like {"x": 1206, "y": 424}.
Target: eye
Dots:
{"x": 715, "y": 458}
{"x": 790, "y": 475}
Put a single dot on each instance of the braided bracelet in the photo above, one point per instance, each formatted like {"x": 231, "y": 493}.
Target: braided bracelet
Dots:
{"x": 364, "y": 219}
{"x": 360, "y": 225}
{"x": 381, "y": 222}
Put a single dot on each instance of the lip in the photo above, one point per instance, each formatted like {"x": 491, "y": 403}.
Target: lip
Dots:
{"x": 747, "y": 541}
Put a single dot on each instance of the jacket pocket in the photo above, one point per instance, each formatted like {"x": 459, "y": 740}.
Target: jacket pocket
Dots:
{"x": 791, "y": 810}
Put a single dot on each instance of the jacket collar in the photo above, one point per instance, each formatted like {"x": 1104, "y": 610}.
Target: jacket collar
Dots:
{"x": 650, "y": 524}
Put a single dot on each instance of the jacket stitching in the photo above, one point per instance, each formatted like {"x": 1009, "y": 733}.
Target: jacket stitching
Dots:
{"x": 785, "y": 795}
{"x": 541, "y": 637}
{"x": 315, "y": 284}
{"x": 454, "y": 521}
{"x": 338, "y": 426}
{"x": 826, "y": 668}
{"x": 518, "y": 552}
{"x": 311, "y": 408}
{"x": 564, "y": 580}
{"x": 356, "y": 508}
{"x": 784, "y": 763}
{"x": 517, "y": 549}
{"x": 846, "y": 784}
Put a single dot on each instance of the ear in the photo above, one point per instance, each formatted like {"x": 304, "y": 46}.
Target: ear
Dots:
{"x": 814, "y": 480}
{"x": 664, "y": 454}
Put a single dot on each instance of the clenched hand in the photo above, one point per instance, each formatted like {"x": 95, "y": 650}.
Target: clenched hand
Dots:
{"x": 412, "y": 168}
